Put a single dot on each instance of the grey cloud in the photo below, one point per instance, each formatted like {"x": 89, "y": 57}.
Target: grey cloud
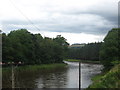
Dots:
{"x": 89, "y": 29}
{"x": 110, "y": 16}
{"x": 70, "y": 21}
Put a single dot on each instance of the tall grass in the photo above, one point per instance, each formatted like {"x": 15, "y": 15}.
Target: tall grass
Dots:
{"x": 42, "y": 67}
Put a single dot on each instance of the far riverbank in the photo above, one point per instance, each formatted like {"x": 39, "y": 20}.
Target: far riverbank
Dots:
{"x": 82, "y": 61}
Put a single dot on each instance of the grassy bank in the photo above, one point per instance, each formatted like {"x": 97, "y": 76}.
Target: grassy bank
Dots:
{"x": 83, "y": 61}
{"x": 7, "y": 71}
{"x": 41, "y": 67}
{"x": 36, "y": 67}
{"x": 111, "y": 79}
{"x": 72, "y": 60}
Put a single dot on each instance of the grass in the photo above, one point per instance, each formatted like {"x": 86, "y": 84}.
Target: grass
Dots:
{"x": 0, "y": 72}
{"x": 42, "y": 67}
{"x": 110, "y": 79}
{"x": 90, "y": 61}
{"x": 36, "y": 67}
{"x": 72, "y": 60}
{"x": 83, "y": 61}
{"x": 97, "y": 77}
{"x": 6, "y": 77}
{"x": 0, "y": 69}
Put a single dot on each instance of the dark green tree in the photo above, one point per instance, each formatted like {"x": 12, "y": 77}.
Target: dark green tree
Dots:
{"x": 21, "y": 45}
{"x": 88, "y": 52}
{"x": 109, "y": 51}
{"x": 62, "y": 42}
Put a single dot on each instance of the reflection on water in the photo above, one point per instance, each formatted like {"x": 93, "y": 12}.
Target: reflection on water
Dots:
{"x": 66, "y": 77}
{"x": 87, "y": 72}
{"x": 55, "y": 79}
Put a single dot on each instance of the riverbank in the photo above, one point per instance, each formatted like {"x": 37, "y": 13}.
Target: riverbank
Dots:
{"x": 82, "y": 61}
{"x": 110, "y": 79}
{"x": 42, "y": 67}
{"x": 72, "y": 60}
{"x": 35, "y": 67}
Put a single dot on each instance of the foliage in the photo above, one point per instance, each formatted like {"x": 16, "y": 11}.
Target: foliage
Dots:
{"x": 109, "y": 50}
{"x": 109, "y": 80}
{"x": 21, "y": 45}
{"x": 109, "y": 57}
{"x": 89, "y": 52}
{"x": 43, "y": 67}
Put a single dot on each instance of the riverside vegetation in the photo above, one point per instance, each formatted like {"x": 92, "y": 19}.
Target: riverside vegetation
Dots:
{"x": 83, "y": 61}
{"x": 110, "y": 79}
{"x": 33, "y": 50}
{"x": 21, "y": 45}
{"x": 109, "y": 57}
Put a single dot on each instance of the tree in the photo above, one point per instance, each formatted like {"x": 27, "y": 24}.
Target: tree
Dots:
{"x": 109, "y": 50}
{"x": 6, "y": 48}
{"x": 62, "y": 42}
{"x": 38, "y": 48}
{"x": 21, "y": 45}
{"x": 88, "y": 52}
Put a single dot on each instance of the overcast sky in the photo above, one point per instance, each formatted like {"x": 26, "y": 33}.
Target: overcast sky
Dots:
{"x": 79, "y": 21}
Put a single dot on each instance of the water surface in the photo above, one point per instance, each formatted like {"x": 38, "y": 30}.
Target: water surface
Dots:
{"x": 66, "y": 77}
{"x": 87, "y": 72}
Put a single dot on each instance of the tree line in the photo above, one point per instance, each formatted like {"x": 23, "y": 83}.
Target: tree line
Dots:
{"x": 88, "y": 52}
{"x": 21, "y": 45}
{"x": 107, "y": 51}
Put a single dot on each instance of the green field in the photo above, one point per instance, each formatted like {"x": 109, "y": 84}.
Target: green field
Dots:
{"x": 72, "y": 60}
{"x": 83, "y": 61}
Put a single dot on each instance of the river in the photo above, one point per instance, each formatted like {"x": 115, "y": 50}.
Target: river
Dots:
{"x": 67, "y": 77}
{"x": 87, "y": 72}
